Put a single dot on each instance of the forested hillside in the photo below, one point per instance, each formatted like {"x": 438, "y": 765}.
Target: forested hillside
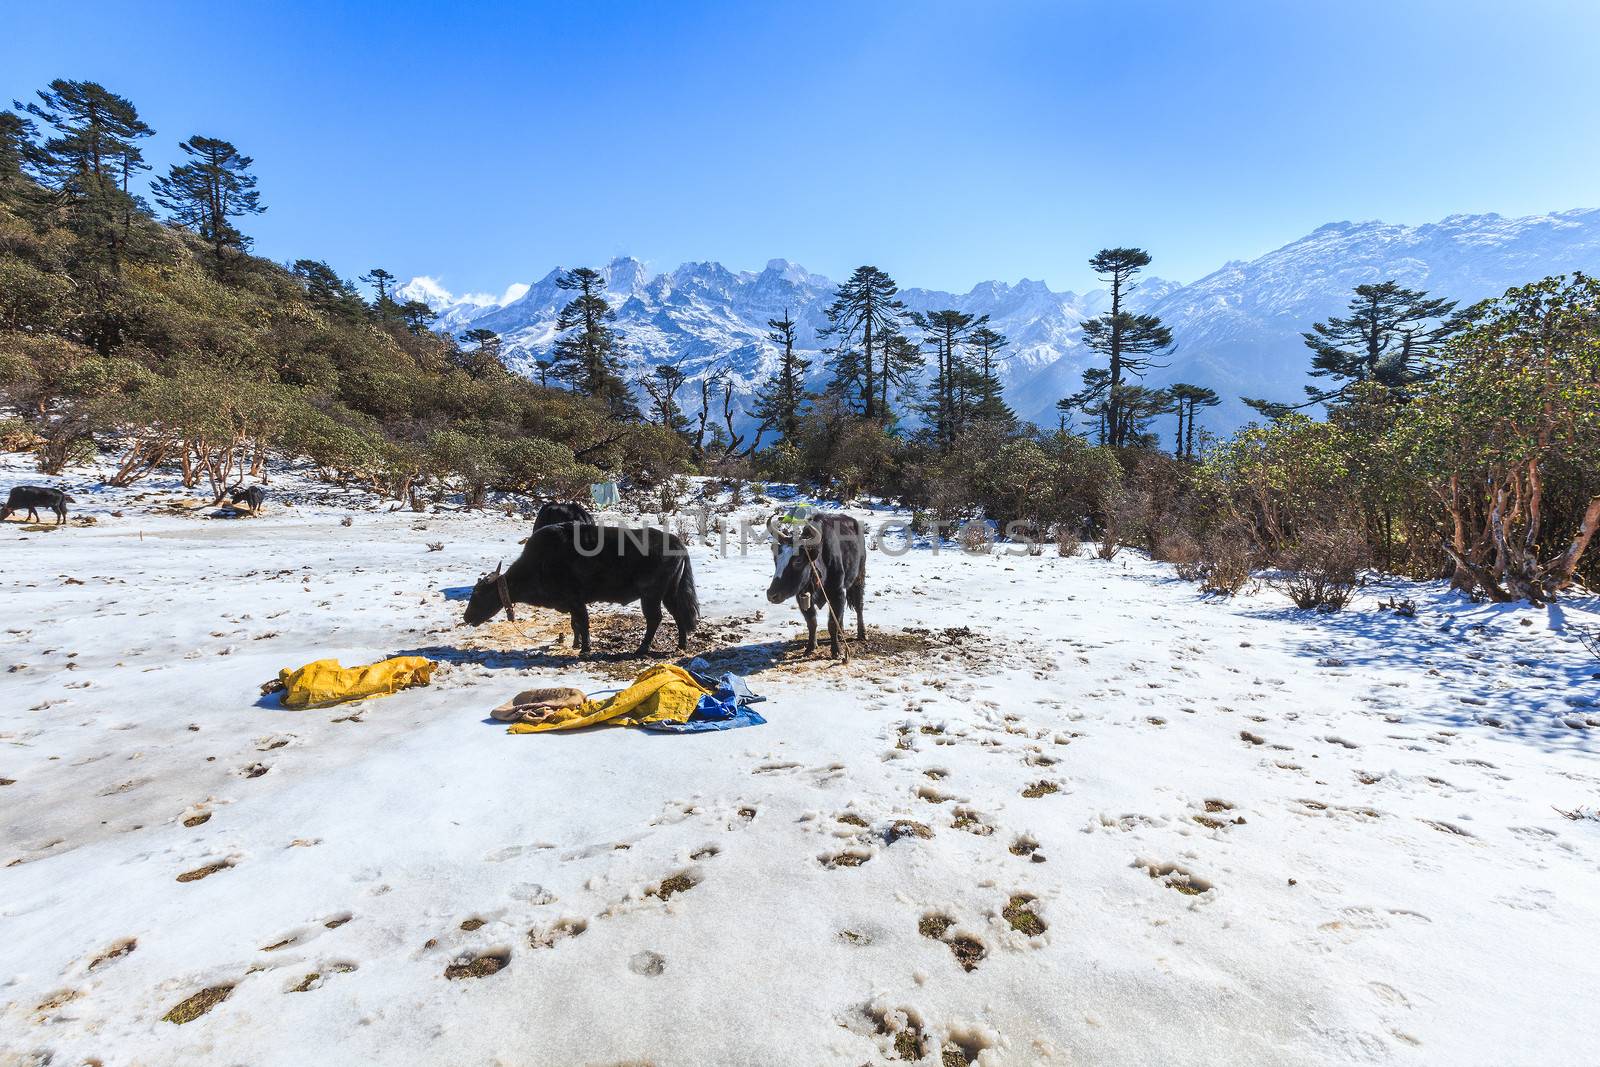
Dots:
{"x": 168, "y": 342}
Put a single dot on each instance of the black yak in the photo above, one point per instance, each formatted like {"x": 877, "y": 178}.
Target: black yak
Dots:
{"x": 561, "y": 511}
{"x": 571, "y": 565}
{"x": 34, "y": 497}
{"x": 826, "y": 558}
{"x": 252, "y": 497}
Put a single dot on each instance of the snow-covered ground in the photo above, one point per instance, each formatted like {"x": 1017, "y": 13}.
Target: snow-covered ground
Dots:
{"x": 1274, "y": 837}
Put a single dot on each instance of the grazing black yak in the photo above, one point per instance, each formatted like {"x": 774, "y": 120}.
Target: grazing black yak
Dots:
{"x": 34, "y": 497}
{"x": 252, "y": 497}
{"x": 561, "y": 511}
{"x": 571, "y": 565}
{"x": 825, "y": 558}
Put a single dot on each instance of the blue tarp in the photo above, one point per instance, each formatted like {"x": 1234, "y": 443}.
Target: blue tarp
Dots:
{"x": 726, "y": 707}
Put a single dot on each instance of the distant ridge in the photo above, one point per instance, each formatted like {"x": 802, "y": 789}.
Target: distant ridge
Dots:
{"x": 1237, "y": 329}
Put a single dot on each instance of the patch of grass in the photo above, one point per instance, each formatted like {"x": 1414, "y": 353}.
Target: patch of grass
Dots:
{"x": 908, "y": 1044}
{"x": 472, "y": 924}
{"x": 1040, "y": 789}
{"x": 952, "y": 1056}
{"x": 850, "y": 818}
{"x": 935, "y": 926}
{"x": 477, "y": 966}
{"x": 197, "y": 820}
{"x": 203, "y": 872}
{"x": 1019, "y": 913}
{"x": 670, "y": 887}
{"x": 306, "y": 983}
{"x": 187, "y": 1011}
{"x": 1208, "y": 822}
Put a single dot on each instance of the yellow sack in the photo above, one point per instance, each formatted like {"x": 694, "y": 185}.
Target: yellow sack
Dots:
{"x": 664, "y": 693}
{"x": 319, "y": 684}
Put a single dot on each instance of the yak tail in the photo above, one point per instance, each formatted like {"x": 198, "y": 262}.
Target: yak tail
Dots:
{"x": 683, "y": 594}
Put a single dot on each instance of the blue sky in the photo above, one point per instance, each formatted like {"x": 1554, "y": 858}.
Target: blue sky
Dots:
{"x": 947, "y": 143}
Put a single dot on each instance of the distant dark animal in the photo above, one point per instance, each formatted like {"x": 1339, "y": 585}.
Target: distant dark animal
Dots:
{"x": 826, "y": 559}
{"x": 252, "y": 497}
{"x": 34, "y": 497}
{"x": 562, "y": 511}
{"x": 571, "y": 565}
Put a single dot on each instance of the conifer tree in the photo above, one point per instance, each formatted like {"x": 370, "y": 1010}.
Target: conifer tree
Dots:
{"x": 1186, "y": 399}
{"x": 16, "y": 141}
{"x": 1128, "y": 341}
{"x": 900, "y": 361}
{"x": 1389, "y": 336}
{"x": 778, "y": 402}
{"x": 208, "y": 192}
{"x": 417, "y": 316}
{"x": 863, "y": 310}
{"x": 946, "y": 333}
{"x": 381, "y": 280}
{"x": 89, "y": 158}
{"x": 483, "y": 358}
{"x": 587, "y": 355}
{"x": 987, "y": 402}
{"x": 327, "y": 290}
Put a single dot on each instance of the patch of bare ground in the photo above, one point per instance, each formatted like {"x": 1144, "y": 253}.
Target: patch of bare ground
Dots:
{"x": 1020, "y": 914}
{"x": 726, "y": 644}
{"x": 478, "y": 966}
{"x": 186, "y": 1011}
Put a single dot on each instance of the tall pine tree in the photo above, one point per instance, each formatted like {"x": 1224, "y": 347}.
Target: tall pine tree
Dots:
{"x": 778, "y": 403}
{"x": 986, "y": 402}
{"x": 1128, "y": 341}
{"x": 863, "y": 310}
{"x": 587, "y": 355}
{"x": 90, "y": 158}
{"x": 1388, "y": 338}
{"x": 208, "y": 192}
{"x": 946, "y": 333}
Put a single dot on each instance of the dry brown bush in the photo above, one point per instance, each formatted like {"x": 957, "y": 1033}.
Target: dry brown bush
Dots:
{"x": 1179, "y": 548}
{"x": 1226, "y": 554}
{"x": 1323, "y": 567}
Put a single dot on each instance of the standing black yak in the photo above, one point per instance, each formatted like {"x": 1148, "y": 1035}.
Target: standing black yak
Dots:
{"x": 570, "y": 565}
{"x": 824, "y": 558}
{"x": 31, "y": 498}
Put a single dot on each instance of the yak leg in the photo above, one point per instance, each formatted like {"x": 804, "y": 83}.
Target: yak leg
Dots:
{"x": 580, "y": 613}
{"x": 811, "y": 627}
{"x": 857, "y": 594}
{"x": 836, "y": 602}
{"x": 652, "y": 619}
{"x": 682, "y": 620}
{"x": 33, "y": 514}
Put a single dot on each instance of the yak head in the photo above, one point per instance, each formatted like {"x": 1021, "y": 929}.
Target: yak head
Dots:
{"x": 796, "y": 560}
{"x": 489, "y": 597}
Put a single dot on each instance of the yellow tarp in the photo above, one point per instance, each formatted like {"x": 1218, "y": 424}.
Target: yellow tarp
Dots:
{"x": 319, "y": 684}
{"x": 664, "y": 693}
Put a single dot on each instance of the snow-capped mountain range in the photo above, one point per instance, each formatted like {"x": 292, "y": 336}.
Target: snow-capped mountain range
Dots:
{"x": 1236, "y": 330}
